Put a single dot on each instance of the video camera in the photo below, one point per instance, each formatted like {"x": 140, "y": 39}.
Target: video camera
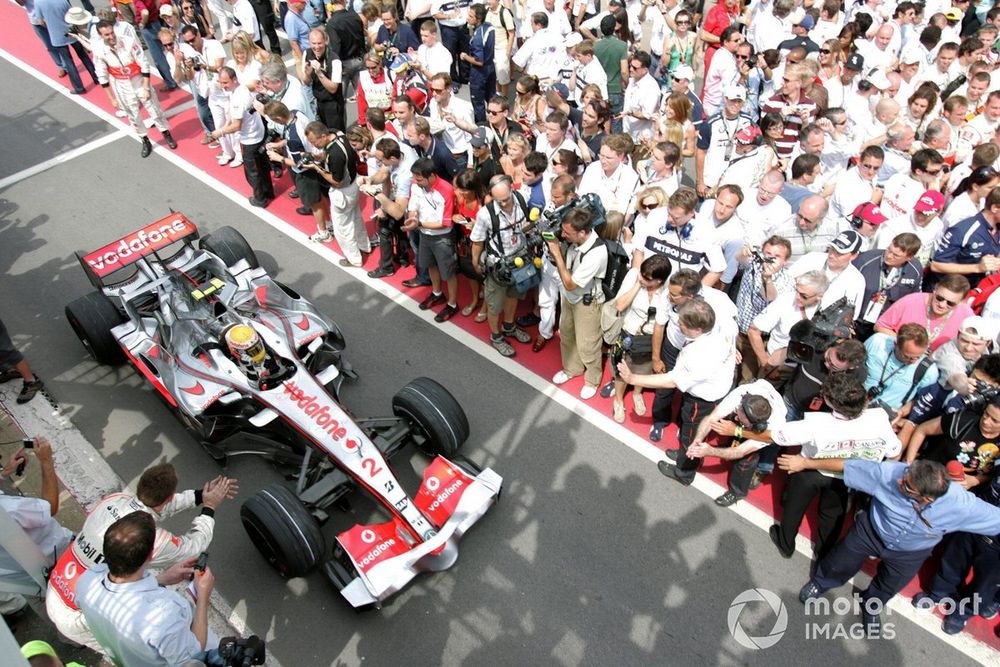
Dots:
{"x": 242, "y": 651}
{"x": 827, "y": 326}
{"x": 981, "y": 397}
{"x": 551, "y": 221}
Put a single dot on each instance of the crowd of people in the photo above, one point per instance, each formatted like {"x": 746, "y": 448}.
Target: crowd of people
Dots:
{"x": 821, "y": 275}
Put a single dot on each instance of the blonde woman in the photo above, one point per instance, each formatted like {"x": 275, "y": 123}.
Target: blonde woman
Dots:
{"x": 245, "y": 61}
{"x": 831, "y": 60}
{"x": 513, "y": 162}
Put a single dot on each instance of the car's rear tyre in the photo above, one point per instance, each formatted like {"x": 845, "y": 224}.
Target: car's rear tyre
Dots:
{"x": 230, "y": 246}
{"x": 283, "y": 531}
{"x": 435, "y": 414}
{"x": 92, "y": 317}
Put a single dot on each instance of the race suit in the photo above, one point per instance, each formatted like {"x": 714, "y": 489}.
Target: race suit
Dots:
{"x": 86, "y": 551}
{"x": 124, "y": 67}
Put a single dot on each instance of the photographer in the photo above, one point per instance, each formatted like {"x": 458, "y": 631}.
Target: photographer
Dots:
{"x": 196, "y": 61}
{"x": 243, "y": 121}
{"x": 294, "y": 151}
{"x": 968, "y": 436}
{"x": 322, "y": 69}
{"x": 643, "y": 293}
{"x": 156, "y": 494}
{"x": 563, "y": 194}
{"x": 580, "y": 323}
{"x": 897, "y": 369}
{"x": 134, "y": 619}
{"x": 765, "y": 276}
{"x": 36, "y": 516}
{"x": 500, "y": 231}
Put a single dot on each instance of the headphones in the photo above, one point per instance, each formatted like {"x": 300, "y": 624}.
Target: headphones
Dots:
{"x": 856, "y": 221}
{"x": 758, "y": 422}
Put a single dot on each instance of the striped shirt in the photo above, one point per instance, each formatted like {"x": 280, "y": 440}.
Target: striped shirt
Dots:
{"x": 793, "y": 122}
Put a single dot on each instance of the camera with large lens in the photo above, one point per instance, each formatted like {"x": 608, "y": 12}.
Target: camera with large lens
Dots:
{"x": 242, "y": 651}
{"x": 811, "y": 337}
{"x": 983, "y": 395}
{"x": 758, "y": 257}
{"x": 262, "y": 98}
{"x": 551, "y": 221}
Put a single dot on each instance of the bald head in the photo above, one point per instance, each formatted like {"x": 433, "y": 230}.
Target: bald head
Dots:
{"x": 886, "y": 110}
{"x": 812, "y": 210}
{"x": 884, "y": 36}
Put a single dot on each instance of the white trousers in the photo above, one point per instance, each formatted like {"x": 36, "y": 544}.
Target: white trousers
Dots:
{"x": 69, "y": 622}
{"x": 348, "y": 227}
{"x": 548, "y": 298}
{"x": 223, "y": 13}
{"x": 229, "y": 143}
{"x": 128, "y": 93}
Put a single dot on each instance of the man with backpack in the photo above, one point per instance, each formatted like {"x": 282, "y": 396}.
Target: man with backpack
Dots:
{"x": 500, "y": 232}
{"x": 582, "y": 294}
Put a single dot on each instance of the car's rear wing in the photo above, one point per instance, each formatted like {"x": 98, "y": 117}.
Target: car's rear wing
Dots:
{"x": 150, "y": 240}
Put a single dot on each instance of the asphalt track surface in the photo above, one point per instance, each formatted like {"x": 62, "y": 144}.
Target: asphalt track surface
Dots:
{"x": 591, "y": 557}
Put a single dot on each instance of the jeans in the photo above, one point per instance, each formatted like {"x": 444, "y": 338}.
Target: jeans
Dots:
{"x": 422, "y": 274}
{"x": 204, "y": 113}
{"x": 617, "y": 103}
{"x": 963, "y": 552}
{"x": 43, "y": 34}
{"x": 150, "y": 36}
{"x": 66, "y": 62}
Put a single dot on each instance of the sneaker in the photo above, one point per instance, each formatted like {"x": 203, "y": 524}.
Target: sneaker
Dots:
{"x": 432, "y": 300}
{"x": 608, "y": 389}
{"x": 121, "y": 114}
{"x": 588, "y": 392}
{"x": 618, "y": 410}
{"x": 954, "y": 623}
{"x": 9, "y": 374}
{"x": 207, "y": 140}
{"x": 520, "y": 335}
{"x": 502, "y": 346}
{"x": 728, "y": 498}
{"x": 656, "y": 433}
{"x": 638, "y": 404}
{"x": 236, "y": 163}
{"x": 321, "y": 237}
{"x": 348, "y": 264}
{"x": 29, "y": 389}
{"x": 446, "y": 313}
{"x": 561, "y": 378}
{"x": 225, "y": 159}
{"x": 381, "y": 273}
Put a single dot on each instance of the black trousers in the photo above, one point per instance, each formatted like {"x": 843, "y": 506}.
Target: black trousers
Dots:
{"x": 800, "y": 490}
{"x": 742, "y": 472}
{"x": 895, "y": 569}
{"x": 332, "y": 114}
{"x": 456, "y": 40}
{"x": 965, "y": 552}
{"x": 693, "y": 410}
{"x": 265, "y": 18}
{"x": 257, "y": 170}
{"x": 663, "y": 399}
{"x": 393, "y": 244}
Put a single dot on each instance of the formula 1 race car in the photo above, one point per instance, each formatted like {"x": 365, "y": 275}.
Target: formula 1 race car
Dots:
{"x": 250, "y": 367}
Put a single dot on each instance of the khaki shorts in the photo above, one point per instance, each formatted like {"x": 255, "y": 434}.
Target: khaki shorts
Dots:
{"x": 501, "y": 63}
{"x": 496, "y": 295}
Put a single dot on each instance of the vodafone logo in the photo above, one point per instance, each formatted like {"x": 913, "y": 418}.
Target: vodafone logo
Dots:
{"x": 70, "y": 570}
{"x": 350, "y": 444}
{"x": 318, "y": 411}
{"x": 433, "y": 483}
{"x": 368, "y": 536}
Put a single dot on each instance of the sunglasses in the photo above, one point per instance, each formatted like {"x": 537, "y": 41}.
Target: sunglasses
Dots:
{"x": 168, "y": 45}
{"x": 438, "y": 90}
{"x": 556, "y": 163}
{"x": 739, "y": 57}
{"x": 941, "y": 299}
{"x": 803, "y": 295}
{"x": 872, "y": 167}
{"x": 494, "y": 112}
{"x": 825, "y": 52}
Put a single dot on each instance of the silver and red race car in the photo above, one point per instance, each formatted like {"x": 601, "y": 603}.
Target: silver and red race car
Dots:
{"x": 250, "y": 367}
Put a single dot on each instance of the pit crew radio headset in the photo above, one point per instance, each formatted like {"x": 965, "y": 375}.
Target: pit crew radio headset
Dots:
{"x": 758, "y": 422}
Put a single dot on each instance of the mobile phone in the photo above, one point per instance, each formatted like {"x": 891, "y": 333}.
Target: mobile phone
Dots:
{"x": 201, "y": 563}
{"x": 28, "y": 443}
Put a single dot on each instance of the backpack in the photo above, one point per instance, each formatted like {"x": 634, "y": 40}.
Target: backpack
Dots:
{"x": 619, "y": 263}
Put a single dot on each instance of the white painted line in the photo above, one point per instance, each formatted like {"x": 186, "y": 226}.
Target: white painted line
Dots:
{"x": 62, "y": 158}
{"x": 963, "y": 642}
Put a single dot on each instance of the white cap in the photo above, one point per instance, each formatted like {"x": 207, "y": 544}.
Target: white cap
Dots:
{"x": 683, "y": 72}
{"x": 878, "y": 80}
{"x": 911, "y": 54}
{"x": 980, "y": 327}
{"x": 736, "y": 93}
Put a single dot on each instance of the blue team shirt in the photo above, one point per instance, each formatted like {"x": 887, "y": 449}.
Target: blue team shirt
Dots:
{"x": 966, "y": 243}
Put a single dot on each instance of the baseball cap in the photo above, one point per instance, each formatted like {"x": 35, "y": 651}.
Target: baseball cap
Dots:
{"x": 878, "y": 79}
{"x": 954, "y": 14}
{"x": 572, "y": 39}
{"x": 855, "y": 61}
{"x": 479, "y": 138}
{"x": 846, "y": 243}
{"x": 736, "y": 93}
{"x": 910, "y": 55}
{"x": 560, "y": 89}
{"x": 870, "y": 213}
{"x": 748, "y": 134}
{"x": 684, "y": 72}
{"x": 807, "y": 22}
{"x": 167, "y": 10}
{"x": 980, "y": 327}
{"x": 931, "y": 201}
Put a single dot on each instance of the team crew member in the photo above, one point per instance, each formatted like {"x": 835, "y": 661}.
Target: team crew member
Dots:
{"x": 482, "y": 72}
{"x": 429, "y": 211}
{"x": 704, "y": 372}
{"x": 156, "y": 494}
{"x": 913, "y": 507}
{"x": 244, "y": 121}
{"x": 671, "y": 231}
{"x": 749, "y": 412}
{"x": 291, "y": 151}
{"x": 123, "y": 72}
{"x": 850, "y": 431}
